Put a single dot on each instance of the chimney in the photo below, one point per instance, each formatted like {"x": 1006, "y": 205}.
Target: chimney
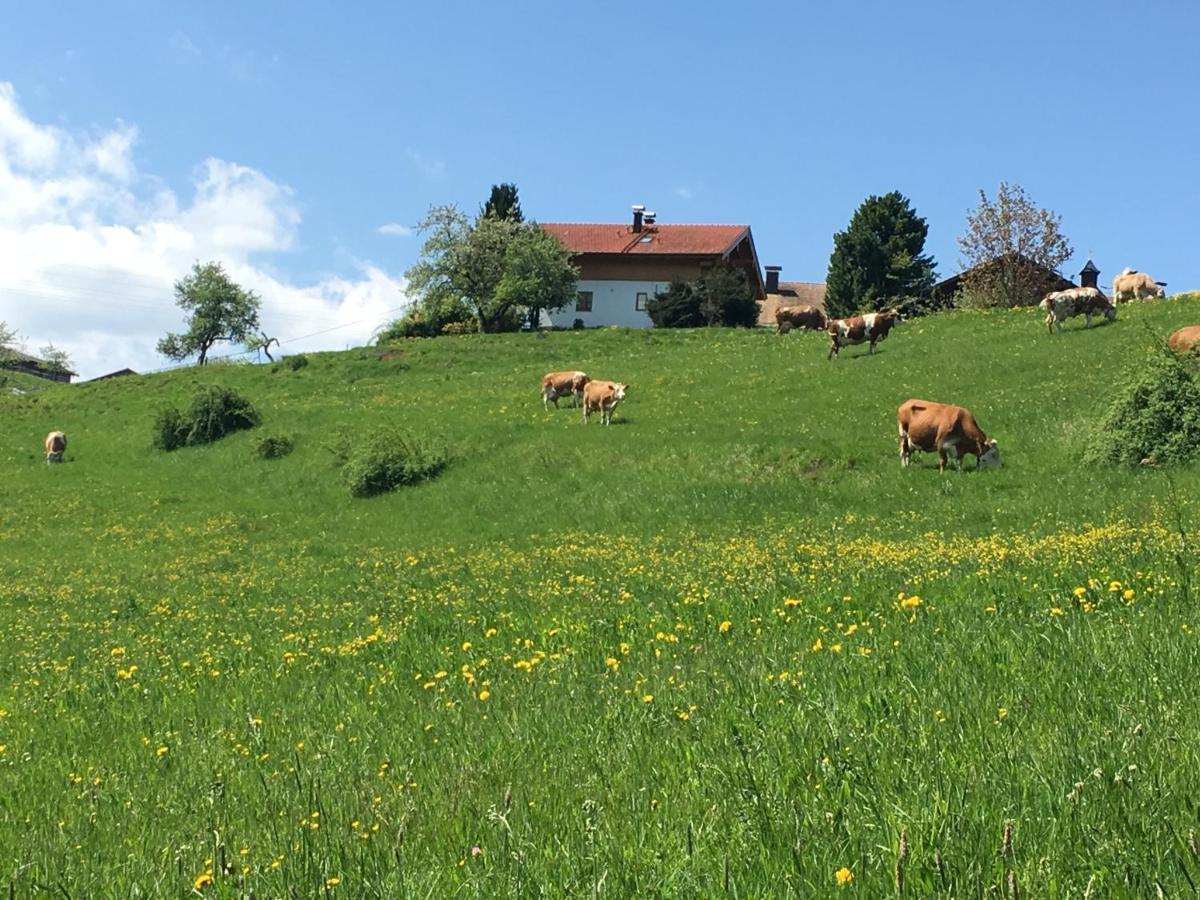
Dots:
{"x": 651, "y": 217}
{"x": 1089, "y": 275}
{"x": 637, "y": 217}
{"x": 773, "y": 279}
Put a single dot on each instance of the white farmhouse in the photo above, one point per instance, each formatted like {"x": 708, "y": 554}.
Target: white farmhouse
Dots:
{"x": 622, "y": 267}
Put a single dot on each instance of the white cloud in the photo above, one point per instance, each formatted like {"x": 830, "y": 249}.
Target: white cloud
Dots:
{"x": 394, "y": 229}
{"x": 90, "y": 249}
{"x": 683, "y": 193}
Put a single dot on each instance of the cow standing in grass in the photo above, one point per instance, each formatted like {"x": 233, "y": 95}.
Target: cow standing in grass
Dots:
{"x": 810, "y": 317}
{"x": 925, "y": 425}
{"x": 872, "y": 327}
{"x": 560, "y": 384}
{"x": 1080, "y": 301}
{"x": 56, "y": 443}
{"x": 1131, "y": 285}
{"x": 603, "y": 396}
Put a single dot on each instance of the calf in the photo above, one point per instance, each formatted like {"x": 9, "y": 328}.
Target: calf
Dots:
{"x": 559, "y": 384}
{"x": 809, "y": 317}
{"x": 925, "y": 425}
{"x": 603, "y": 396}
{"x": 873, "y": 327}
{"x": 1081, "y": 301}
{"x": 56, "y": 443}
{"x": 1131, "y": 285}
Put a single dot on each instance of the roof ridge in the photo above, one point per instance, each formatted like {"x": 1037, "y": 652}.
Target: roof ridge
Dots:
{"x": 625, "y": 225}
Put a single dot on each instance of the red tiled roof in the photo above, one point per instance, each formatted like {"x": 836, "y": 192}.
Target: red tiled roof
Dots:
{"x": 690, "y": 240}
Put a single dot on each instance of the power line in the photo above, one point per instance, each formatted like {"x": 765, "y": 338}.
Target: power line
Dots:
{"x": 293, "y": 340}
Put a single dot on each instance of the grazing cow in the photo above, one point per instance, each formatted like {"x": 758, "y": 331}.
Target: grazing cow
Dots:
{"x": 1080, "y": 301}
{"x": 56, "y": 443}
{"x": 1185, "y": 339}
{"x": 927, "y": 426}
{"x": 810, "y": 317}
{"x": 1131, "y": 285}
{"x": 603, "y": 396}
{"x": 559, "y": 384}
{"x": 873, "y": 327}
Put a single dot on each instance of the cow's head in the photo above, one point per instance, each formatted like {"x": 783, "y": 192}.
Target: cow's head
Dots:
{"x": 619, "y": 391}
{"x": 990, "y": 458}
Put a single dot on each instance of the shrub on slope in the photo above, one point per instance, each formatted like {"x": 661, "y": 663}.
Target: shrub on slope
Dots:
{"x": 388, "y": 459}
{"x": 1154, "y": 415}
{"x": 213, "y": 413}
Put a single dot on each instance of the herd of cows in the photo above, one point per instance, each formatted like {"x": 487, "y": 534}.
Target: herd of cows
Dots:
{"x": 948, "y": 430}
{"x": 923, "y": 425}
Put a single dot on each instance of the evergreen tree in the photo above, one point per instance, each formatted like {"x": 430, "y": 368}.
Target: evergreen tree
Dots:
{"x": 503, "y": 204}
{"x": 676, "y": 307}
{"x": 879, "y": 257}
{"x": 726, "y": 298}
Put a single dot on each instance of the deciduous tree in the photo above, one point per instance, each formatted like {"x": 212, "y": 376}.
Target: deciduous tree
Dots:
{"x": 56, "y": 360}
{"x": 496, "y": 268}
{"x": 1011, "y": 249}
{"x": 218, "y": 308}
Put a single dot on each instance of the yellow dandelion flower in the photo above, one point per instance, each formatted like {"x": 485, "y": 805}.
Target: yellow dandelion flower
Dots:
{"x": 204, "y": 879}
{"x": 1056, "y": 611}
{"x": 332, "y": 881}
{"x": 161, "y": 752}
{"x": 1079, "y": 591}
{"x": 484, "y": 694}
{"x": 725, "y": 626}
{"x": 647, "y": 698}
{"x": 613, "y": 663}
{"x": 1128, "y": 595}
{"x": 910, "y": 602}
{"x": 844, "y": 876}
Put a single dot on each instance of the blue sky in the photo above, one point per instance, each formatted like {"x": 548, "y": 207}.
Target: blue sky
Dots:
{"x": 781, "y": 115}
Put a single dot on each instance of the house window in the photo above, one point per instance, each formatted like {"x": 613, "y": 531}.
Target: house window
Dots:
{"x": 640, "y": 302}
{"x": 583, "y": 301}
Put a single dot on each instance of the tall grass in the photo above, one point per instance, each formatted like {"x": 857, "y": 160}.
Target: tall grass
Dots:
{"x": 726, "y": 647}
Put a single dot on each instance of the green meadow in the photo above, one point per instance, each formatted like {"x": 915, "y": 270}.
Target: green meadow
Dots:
{"x": 723, "y": 647}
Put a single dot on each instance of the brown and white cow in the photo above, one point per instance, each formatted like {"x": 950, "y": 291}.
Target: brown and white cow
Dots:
{"x": 1185, "y": 339}
{"x": 810, "y": 317}
{"x": 1131, "y": 285}
{"x": 603, "y": 396}
{"x": 559, "y": 384}
{"x": 925, "y": 425}
{"x": 56, "y": 443}
{"x": 873, "y": 327}
{"x": 1080, "y": 301}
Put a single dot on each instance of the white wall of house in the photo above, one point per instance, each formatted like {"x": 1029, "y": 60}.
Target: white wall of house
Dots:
{"x": 613, "y": 303}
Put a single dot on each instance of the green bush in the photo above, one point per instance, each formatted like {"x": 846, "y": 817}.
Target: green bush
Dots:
{"x": 676, "y": 307}
{"x": 1154, "y": 415}
{"x": 297, "y": 362}
{"x": 388, "y": 459}
{"x": 213, "y": 413}
{"x": 721, "y": 296}
{"x": 274, "y": 446}
{"x": 170, "y": 429}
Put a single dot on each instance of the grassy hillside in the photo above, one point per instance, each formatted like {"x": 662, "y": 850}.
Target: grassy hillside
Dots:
{"x": 724, "y": 646}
